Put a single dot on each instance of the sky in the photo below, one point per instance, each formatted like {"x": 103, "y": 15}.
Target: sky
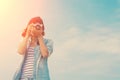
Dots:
{"x": 85, "y": 34}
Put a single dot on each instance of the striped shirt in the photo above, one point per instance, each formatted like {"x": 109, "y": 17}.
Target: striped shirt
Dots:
{"x": 27, "y": 70}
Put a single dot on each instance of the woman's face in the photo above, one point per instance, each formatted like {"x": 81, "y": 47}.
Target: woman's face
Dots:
{"x": 35, "y": 28}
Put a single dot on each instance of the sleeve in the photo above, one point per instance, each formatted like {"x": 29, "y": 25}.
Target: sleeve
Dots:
{"x": 50, "y": 46}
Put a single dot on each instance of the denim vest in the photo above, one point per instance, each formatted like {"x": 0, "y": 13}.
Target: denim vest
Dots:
{"x": 41, "y": 71}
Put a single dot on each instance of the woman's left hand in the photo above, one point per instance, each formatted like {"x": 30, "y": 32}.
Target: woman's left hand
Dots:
{"x": 38, "y": 33}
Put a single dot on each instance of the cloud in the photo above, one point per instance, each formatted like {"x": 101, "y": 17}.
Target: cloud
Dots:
{"x": 96, "y": 39}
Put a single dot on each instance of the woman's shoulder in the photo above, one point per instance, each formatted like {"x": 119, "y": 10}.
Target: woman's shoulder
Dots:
{"x": 48, "y": 40}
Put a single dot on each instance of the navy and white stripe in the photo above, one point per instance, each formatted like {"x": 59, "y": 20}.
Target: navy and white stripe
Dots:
{"x": 27, "y": 70}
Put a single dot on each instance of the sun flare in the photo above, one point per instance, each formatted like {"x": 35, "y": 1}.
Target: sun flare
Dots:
{"x": 5, "y": 6}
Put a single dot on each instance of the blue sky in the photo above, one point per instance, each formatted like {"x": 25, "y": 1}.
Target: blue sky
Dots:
{"x": 85, "y": 34}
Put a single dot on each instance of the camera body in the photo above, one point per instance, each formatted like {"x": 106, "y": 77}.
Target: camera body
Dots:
{"x": 38, "y": 26}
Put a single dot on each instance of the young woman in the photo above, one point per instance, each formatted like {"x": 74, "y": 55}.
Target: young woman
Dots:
{"x": 35, "y": 49}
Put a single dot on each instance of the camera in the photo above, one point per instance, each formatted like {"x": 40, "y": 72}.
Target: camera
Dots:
{"x": 38, "y": 27}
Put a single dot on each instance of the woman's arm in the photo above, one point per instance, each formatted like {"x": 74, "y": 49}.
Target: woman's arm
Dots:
{"x": 22, "y": 48}
{"x": 43, "y": 48}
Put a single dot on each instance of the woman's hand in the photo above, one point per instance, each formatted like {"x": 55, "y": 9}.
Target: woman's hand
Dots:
{"x": 38, "y": 33}
{"x": 28, "y": 32}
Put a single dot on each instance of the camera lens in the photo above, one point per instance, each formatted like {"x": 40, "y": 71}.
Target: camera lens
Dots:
{"x": 37, "y": 27}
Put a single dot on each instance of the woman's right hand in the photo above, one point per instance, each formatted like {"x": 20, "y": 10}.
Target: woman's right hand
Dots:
{"x": 28, "y": 32}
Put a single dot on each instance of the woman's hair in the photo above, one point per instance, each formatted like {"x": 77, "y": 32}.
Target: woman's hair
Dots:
{"x": 33, "y": 20}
